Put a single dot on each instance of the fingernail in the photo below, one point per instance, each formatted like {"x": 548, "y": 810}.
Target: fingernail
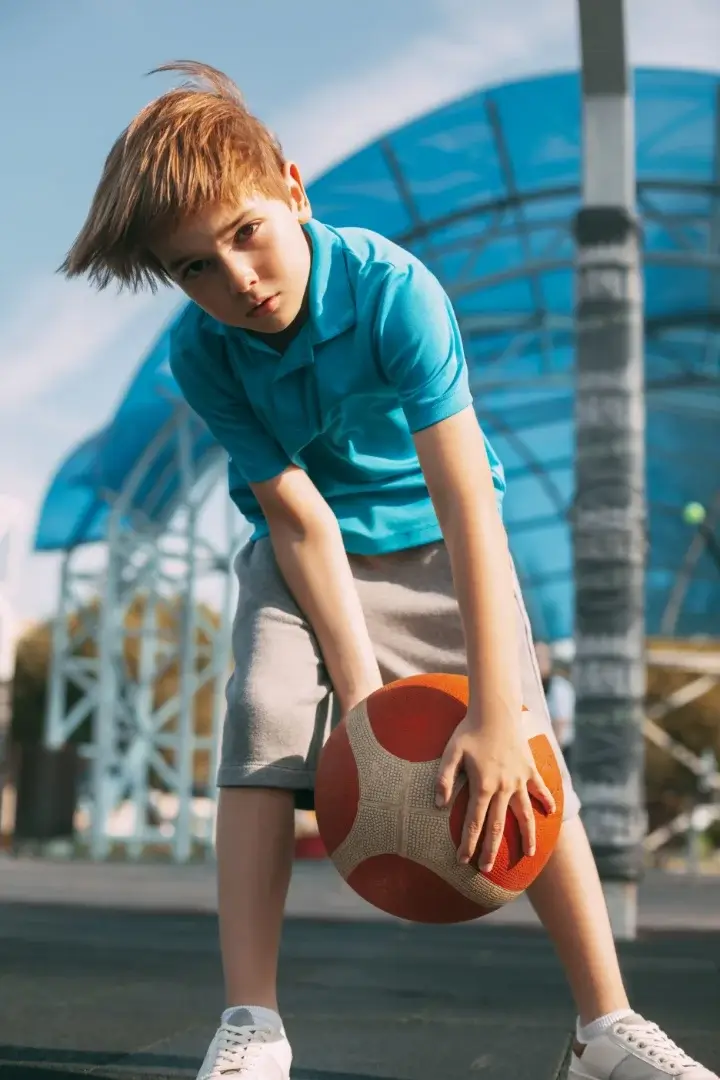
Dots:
{"x": 532, "y": 851}
{"x": 486, "y": 866}
{"x": 439, "y": 801}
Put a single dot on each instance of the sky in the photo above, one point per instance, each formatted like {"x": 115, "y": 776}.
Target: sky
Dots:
{"x": 326, "y": 75}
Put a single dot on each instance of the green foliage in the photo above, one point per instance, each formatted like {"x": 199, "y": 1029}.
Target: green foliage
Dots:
{"x": 670, "y": 787}
{"x": 33, "y": 671}
{"x": 29, "y": 695}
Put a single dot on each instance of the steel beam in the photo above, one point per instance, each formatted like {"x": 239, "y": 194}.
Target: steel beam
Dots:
{"x": 142, "y": 752}
{"x": 609, "y": 513}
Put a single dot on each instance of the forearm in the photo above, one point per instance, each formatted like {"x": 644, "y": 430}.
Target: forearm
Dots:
{"x": 454, "y": 461}
{"x": 314, "y": 564}
{"x": 482, "y": 574}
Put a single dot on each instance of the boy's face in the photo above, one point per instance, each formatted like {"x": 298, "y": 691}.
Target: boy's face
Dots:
{"x": 247, "y": 264}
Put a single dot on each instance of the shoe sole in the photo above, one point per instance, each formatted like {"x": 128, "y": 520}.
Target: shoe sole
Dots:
{"x": 562, "y": 1069}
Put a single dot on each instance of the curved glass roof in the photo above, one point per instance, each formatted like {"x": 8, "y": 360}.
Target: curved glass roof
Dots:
{"x": 77, "y": 505}
{"x": 484, "y": 190}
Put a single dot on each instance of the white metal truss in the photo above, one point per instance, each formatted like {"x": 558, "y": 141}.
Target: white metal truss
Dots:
{"x": 144, "y": 599}
{"x": 138, "y": 743}
{"x": 703, "y": 670}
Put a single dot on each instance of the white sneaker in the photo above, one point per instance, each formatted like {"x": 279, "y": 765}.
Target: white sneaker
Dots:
{"x": 634, "y": 1049}
{"x": 247, "y": 1047}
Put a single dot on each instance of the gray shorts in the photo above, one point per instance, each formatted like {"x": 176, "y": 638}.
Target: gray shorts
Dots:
{"x": 279, "y": 698}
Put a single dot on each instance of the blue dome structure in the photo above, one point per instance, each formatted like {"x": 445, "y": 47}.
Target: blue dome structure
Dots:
{"x": 485, "y": 191}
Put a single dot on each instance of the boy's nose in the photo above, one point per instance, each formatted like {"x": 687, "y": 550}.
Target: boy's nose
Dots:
{"x": 241, "y": 278}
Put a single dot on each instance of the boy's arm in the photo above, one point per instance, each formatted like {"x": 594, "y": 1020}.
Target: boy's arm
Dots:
{"x": 422, "y": 355}
{"x": 303, "y": 530}
{"x": 311, "y": 555}
{"x": 489, "y": 747}
{"x": 454, "y": 462}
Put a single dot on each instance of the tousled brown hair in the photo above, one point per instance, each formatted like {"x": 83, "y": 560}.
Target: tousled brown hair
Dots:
{"x": 194, "y": 145}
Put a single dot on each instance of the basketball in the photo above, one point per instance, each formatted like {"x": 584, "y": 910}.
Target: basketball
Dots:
{"x": 376, "y": 813}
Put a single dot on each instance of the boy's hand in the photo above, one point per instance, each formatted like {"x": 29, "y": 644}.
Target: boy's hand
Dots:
{"x": 501, "y": 774}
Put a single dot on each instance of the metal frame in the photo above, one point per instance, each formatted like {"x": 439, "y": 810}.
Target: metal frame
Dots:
{"x": 149, "y": 570}
{"x": 703, "y": 671}
{"x": 541, "y": 330}
{"x": 148, "y": 562}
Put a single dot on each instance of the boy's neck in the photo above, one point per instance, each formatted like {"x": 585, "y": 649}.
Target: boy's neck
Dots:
{"x": 281, "y": 341}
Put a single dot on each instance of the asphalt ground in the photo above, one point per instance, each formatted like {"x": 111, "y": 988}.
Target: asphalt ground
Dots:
{"x": 119, "y": 994}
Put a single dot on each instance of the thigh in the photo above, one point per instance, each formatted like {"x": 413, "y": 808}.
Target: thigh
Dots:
{"x": 278, "y": 696}
{"x": 414, "y": 621}
{"x": 412, "y": 615}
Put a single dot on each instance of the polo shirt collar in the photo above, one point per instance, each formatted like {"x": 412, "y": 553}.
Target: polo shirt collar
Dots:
{"x": 331, "y": 300}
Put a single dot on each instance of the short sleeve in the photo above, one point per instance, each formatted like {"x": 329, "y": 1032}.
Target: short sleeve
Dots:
{"x": 201, "y": 369}
{"x": 420, "y": 347}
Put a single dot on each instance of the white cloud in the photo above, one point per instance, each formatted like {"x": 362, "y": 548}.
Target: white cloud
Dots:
{"x": 56, "y": 329}
{"x": 478, "y": 45}
{"x": 469, "y": 47}
{"x": 53, "y": 331}
{"x": 670, "y": 34}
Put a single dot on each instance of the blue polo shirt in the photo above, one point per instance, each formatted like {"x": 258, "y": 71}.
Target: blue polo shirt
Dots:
{"x": 380, "y": 357}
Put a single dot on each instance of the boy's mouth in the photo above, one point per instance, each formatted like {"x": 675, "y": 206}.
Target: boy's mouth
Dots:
{"x": 265, "y": 307}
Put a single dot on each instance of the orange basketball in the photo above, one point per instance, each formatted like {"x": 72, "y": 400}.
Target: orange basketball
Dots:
{"x": 375, "y": 805}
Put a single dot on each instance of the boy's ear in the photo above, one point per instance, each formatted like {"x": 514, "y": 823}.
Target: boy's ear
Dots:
{"x": 298, "y": 195}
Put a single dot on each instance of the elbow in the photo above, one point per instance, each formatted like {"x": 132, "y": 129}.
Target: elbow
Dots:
{"x": 293, "y": 507}
{"x": 310, "y": 524}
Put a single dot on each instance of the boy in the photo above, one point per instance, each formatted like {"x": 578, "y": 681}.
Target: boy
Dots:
{"x": 329, "y": 365}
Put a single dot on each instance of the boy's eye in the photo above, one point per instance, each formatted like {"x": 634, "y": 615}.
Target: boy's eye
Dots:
{"x": 193, "y": 269}
{"x": 246, "y": 231}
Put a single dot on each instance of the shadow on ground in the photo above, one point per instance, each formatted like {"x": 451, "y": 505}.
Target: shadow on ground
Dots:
{"x": 116, "y": 995}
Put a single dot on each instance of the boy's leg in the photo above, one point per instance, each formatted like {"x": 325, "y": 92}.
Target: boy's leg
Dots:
{"x": 255, "y": 840}
{"x": 568, "y": 896}
{"x": 279, "y": 703}
{"x": 569, "y": 901}
{"x": 413, "y": 619}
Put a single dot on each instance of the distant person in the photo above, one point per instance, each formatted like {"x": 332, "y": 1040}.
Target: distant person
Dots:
{"x": 560, "y": 697}
{"x": 328, "y": 362}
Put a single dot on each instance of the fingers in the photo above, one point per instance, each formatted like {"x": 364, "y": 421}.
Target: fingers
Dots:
{"x": 475, "y": 819}
{"x": 447, "y": 772}
{"x": 494, "y": 829}
{"x": 522, "y": 808}
{"x": 538, "y": 788}
{"x": 490, "y": 797}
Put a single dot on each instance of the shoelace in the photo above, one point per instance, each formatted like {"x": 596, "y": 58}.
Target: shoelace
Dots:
{"x": 658, "y": 1046}
{"x": 237, "y": 1050}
